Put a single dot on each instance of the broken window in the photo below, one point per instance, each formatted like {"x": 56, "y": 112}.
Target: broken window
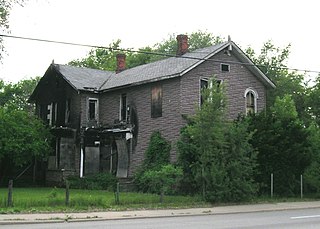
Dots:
{"x": 204, "y": 84}
{"x": 156, "y": 102}
{"x": 93, "y": 110}
{"x": 123, "y": 107}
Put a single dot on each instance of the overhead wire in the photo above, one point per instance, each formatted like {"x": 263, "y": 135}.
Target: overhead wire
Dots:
{"x": 153, "y": 53}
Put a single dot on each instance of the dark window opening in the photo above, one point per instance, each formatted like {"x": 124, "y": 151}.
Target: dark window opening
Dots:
{"x": 92, "y": 109}
{"x": 203, "y": 85}
{"x": 225, "y": 67}
{"x": 123, "y": 107}
{"x": 156, "y": 102}
{"x": 67, "y": 114}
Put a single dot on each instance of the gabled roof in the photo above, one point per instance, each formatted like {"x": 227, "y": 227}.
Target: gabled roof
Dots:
{"x": 97, "y": 80}
{"x": 166, "y": 68}
{"x": 83, "y": 78}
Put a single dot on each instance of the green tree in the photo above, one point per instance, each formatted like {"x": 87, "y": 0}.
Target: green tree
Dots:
{"x": 314, "y": 102}
{"x": 23, "y": 138}
{"x": 312, "y": 173}
{"x": 105, "y": 59}
{"x": 272, "y": 61}
{"x": 216, "y": 154}
{"x": 282, "y": 142}
{"x": 16, "y": 95}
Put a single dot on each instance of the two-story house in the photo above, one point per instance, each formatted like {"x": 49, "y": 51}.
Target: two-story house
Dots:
{"x": 102, "y": 121}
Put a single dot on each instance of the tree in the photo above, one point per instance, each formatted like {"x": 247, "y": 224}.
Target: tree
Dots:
{"x": 312, "y": 173}
{"x": 216, "y": 154}
{"x": 105, "y": 59}
{"x": 23, "y": 138}
{"x": 272, "y": 61}
{"x": 313, "y": 101}
{"x": 5, "y": 7}
{"x": 283, "y": 147}
{"x": 17, "y": 95}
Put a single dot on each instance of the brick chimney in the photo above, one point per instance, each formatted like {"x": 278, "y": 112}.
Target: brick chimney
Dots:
{"x": 182, "y": 44}
{"x": 121, "y": 62}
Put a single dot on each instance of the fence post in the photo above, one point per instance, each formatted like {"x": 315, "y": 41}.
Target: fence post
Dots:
{"x": 301, "y": 186}
{"x": 10, "y": 186}
{"x": 271, "y": 191}
{"x": 67, "y": 192}
{"x": 117, "y": 193}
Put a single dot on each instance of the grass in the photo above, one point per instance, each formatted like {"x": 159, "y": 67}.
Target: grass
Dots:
{"x": 29, "y": 200}
{"x": 33, "y": 200}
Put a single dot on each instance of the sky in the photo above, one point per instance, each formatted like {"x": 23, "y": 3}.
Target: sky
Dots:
{"x": 140, "y": 23}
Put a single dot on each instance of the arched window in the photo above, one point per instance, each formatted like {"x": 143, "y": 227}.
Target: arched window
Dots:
{"x": 251, "y": 100}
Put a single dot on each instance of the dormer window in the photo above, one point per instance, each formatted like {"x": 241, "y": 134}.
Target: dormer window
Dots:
{"x": 225, "y": 67}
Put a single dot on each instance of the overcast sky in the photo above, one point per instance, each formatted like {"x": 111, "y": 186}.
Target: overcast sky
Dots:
{"x": 139, "y": 23}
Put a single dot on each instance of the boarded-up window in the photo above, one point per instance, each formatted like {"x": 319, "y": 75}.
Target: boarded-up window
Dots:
{"x": 156, "y": 102}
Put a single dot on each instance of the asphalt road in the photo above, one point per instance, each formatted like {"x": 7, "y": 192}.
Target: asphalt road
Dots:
{"x": 305, "y": 218}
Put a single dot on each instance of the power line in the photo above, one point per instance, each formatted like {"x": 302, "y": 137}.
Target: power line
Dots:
{"x": 153, "y": 53}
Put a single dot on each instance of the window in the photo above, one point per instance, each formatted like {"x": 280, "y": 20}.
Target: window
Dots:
{"x": 251, "y": 101}
{"x": 156, "y": 102}
{"x": 225, "y": 67}
{"x": 67, "y": 113}
{"x": 93, "y": 110}
{"x": 204, "y": 83}
{"x": 123, "y": 107}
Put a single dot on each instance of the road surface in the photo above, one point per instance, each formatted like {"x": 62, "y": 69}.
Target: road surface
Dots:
{"x": 305, "y": 218}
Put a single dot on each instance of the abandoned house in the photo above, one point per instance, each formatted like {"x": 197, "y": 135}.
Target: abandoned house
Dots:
{"x": 102, "y": 121}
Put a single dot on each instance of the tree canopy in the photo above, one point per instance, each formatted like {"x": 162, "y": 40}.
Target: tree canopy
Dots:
{"x": 105, "y": 59}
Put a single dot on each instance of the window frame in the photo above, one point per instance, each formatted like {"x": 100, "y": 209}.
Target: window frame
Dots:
{"x": 253, "y": 92}
{"x": 96, "y": 110}
{"x": 222, "y": 65}
{"x": 201, "y": 88}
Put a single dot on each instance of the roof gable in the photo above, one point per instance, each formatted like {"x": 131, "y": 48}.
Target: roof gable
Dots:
{"x": 83, "y": 78}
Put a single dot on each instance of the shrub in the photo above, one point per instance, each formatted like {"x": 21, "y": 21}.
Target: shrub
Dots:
{"x": 162, "y": 180}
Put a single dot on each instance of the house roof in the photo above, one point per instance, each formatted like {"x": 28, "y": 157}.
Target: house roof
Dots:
{"x": 98, "y": 80}
{"x": 166, "y": 68}
{"x": 83, "y": 78}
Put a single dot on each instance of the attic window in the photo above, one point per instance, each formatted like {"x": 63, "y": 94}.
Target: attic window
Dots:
{"x": 225, "y": 67}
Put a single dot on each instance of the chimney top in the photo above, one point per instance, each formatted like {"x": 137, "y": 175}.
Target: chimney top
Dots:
{"x": 182, "y": 44}
{"x": 121, "y": 62}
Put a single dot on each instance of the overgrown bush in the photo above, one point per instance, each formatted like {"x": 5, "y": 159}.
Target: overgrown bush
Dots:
{"x": 100, "y": 181}
{"x": 162, "y": 180}
{"x": 156, "y": 174}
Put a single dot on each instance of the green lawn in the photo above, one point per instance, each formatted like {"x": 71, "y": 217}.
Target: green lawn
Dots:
{"x": 53, "y": 199}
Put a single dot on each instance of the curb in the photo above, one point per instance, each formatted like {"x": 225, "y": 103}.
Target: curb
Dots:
{"x": 144, "y": 214}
